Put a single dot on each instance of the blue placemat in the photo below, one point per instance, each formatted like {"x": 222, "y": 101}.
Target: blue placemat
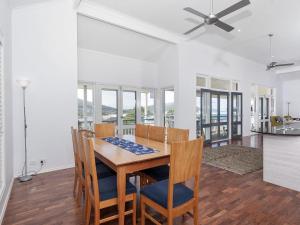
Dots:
{"x": 130, "y": 146}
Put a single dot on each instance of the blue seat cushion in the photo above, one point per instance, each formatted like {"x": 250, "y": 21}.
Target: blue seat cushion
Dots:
{"x": 108, "y": 188}
{"x": 158, "y": 192}
{"x": 158, "y": 173}
{"x": 102, "y": 170}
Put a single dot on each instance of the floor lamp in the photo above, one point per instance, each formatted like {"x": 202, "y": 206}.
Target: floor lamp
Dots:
{"x": 24, "y": 177}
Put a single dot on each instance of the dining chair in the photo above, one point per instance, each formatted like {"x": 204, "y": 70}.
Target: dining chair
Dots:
{"x": 141, "y": 130}
{"x": 103, "y": 130}
{"x": 162, "y": 172}
{"x": 78, "y": 166}
{"x": 102, "y": 192}
{"x": 171, "y": 197}
{"x": 156, "y": 133}
{"x": 105, "y": 170}
{"x": 177, "y": 135}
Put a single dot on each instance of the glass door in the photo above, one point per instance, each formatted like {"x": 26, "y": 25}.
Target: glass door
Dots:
{"x": 236, "y": 115}
{"x": 109, "y": 106}
{"x": 147, "y": 107}
{"x": 214, "y": 111}
{"x": 128, "y": 111}
{"x": 169, "y": 109}
{"x": 264, "y": 113}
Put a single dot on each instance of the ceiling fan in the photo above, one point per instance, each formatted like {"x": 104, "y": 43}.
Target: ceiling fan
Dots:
{"x": 275, "y": 64}
{"x": 214, "y": 19}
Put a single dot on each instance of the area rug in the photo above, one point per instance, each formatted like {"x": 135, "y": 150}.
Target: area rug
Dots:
{"x": 234, "y": 158}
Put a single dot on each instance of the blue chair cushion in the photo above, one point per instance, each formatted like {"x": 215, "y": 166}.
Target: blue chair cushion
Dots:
{"x": 102, "y": 170}
{"x": 158, "y": 192}
{"x": 108, "y": 188}
{"x": 158, "y": 173}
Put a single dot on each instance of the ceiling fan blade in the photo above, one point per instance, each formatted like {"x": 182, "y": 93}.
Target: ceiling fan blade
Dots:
{"x": 195, "y": 28}
{"x": 195, "y": 12}
{"x": 233, "y": 8}
{"x": 284, "y": 64}
{"x": 224, "y": 26}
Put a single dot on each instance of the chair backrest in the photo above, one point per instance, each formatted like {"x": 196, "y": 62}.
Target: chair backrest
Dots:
{"x": 185, "y": 163}
{"x": 91, "y": 177}
{"x": 141, "y": 130}
{"x": 77, "y": 151}
{"x": 156, "y": 133}
{"x": 177, "y": 135}
{"x": 103, "y": 130}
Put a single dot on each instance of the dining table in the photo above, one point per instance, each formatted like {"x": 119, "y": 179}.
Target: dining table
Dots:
{"x": 125, "y": 162}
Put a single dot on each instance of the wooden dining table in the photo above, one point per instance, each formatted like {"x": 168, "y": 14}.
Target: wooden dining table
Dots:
{"x": 125, "y": 162}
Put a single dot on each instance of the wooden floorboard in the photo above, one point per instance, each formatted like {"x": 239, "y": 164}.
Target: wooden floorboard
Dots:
{"x": 225, "y": 199}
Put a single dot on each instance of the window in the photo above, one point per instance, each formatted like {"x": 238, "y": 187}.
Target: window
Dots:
{"x": 85, "y": 100}
{"x": 169, "y": 109}
{"x": 220, "y": 84}
{"x": 147, "y": 107}
{"x": 109, "y": 106}
{"x": 2, "y": 178}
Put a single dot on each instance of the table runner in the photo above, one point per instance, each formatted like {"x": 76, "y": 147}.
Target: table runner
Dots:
{"x": 130, "y": 146}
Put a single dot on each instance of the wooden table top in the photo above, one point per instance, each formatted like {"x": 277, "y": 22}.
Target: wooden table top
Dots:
{"x": 119, "y": 156}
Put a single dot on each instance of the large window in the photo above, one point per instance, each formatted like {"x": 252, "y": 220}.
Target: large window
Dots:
{"x": 85, "y": 100}
{"x": 2, "y": 178}
{"x": 124, "y": 106}
{"x": 147, "y": 107}
{"x": 169, "y": 108}
{"x": 109, "y": 106}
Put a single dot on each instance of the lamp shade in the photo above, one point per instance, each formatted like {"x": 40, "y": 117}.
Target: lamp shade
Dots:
{"x": 23, "y": 83}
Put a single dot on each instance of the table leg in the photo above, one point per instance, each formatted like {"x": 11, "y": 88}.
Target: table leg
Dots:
{"x": 121, "y": 176}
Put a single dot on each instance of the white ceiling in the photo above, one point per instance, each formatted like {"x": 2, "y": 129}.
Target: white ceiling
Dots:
{"x": 100, "y": 36}
{"x": 280, "y": 17}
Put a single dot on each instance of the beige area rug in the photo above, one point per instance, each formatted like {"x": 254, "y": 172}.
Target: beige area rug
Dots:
{"x": 234, "y": 158}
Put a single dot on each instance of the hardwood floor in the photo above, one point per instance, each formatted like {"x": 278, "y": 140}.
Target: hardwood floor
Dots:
{"x": 225, "y": 199}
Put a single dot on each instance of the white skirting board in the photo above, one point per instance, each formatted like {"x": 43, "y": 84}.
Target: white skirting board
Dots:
{"x": 282, "y": 161}
{"x": 3, "y": 210}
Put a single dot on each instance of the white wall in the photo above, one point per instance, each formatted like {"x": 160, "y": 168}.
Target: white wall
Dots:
{"x": 168, "y": 67}
{"x": 44, "y": 48}
{"x": 111, "y": 69}
{"x": 5, "y": 32}
{"x": 290, "y": 92}
{"x": 195, "y": 58}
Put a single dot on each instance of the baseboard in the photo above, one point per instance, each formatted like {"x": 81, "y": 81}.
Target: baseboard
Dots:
{"x": 2, "y": 213}
{"x": 46, "y": 170}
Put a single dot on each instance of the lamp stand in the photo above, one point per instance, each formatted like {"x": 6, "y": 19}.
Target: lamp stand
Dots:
{"x": 25, "y": 177}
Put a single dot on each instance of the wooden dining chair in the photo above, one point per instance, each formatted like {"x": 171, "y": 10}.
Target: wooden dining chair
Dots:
{"x": 102, "y": 193}
{"x": 141, "y": 130}
{"x": 156, "y": 133}
{"x": 78, "y": 166}
{"x": 171, "y": 197}
{"x": 177, "y": 135}
{"x": 105, "y": 170}
{"x": 162, "y": 172}
{"x": 103, "y": 130}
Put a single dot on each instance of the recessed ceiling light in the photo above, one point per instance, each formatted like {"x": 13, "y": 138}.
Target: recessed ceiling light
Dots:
{"x": 273, "y": 56}
{"x": 239, "y": 30}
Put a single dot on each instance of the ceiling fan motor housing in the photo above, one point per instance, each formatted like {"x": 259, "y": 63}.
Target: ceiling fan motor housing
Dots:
{"x": 211, "y": 19}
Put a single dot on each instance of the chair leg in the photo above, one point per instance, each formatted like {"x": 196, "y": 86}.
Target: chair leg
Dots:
{"x": 134, "y": 209}
{"x": 143, "y": 208}
{"x": 170, "y": 219}
{"x": 196, "y": 213}
{"x": 97, "y": 216}
{"x": 79, "y": 193}
{"x": 88, "y": 208}
{"x": 75, "y": 184}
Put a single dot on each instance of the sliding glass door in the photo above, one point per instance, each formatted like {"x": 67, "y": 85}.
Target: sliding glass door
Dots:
{"x": 169, "y": 108}
{"x": 264, "y": 113}
{"x": 236, "y": 115}
{"x": 214, "y": 111}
